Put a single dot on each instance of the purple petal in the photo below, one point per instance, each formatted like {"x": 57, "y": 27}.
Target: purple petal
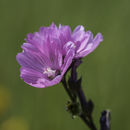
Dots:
{"x": 78, "y": 33}
{"x": 87, "y": 38}
{"x": 43, "y": 83}
{"x": 30, "y": 75}
{"x": 34, "y": 61}
{"x": 91, "y": 46}
{"x": 30, "y": 47}
{"x": 65, "y": 34}
{"x": 67, "y": 61}
{"x": 69, "y": 45}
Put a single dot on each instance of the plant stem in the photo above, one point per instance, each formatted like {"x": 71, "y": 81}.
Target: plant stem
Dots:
{"x": 85, "y": 106}
{"x": 67, "y": 89}
{"x": 74, "y": 90}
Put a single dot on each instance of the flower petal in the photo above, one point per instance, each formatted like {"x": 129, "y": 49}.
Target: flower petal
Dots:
{"x": 30, "y": 75}
{"x": 43, "y": 83}
{"x": 78, "y": 33}
{"x": 91, "y": 46}
{"x": 67, "y": 60}
{"x": 65, "y": 34}
{"x": 34, "y": 61}
{"x": 87, "y": 38}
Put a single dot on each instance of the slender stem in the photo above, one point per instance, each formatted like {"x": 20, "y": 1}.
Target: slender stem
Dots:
{"x": 85, "y": 120}
{"x": 82, "y": 98}
{"x": 67, "y": 89}
{"x": 74, "y": 90}
{"x": 75, "y": 87}
{"x": 84, "y": 106}
{"x": 92, "y": 123}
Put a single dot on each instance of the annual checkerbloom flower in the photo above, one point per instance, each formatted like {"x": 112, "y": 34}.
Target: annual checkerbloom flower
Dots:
{"x": 48, "y": 54}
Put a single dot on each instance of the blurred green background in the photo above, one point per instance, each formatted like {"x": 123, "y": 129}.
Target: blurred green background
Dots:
{"x": 105, "y": 72}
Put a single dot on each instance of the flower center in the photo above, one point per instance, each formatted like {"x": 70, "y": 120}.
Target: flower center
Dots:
{"x": 49, "y": 72}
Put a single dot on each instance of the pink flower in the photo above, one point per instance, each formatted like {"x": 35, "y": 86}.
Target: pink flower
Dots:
{"x": 48, "y": 54}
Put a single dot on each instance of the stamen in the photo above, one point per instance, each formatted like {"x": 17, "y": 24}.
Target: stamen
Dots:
{"x": 49, "y": 72}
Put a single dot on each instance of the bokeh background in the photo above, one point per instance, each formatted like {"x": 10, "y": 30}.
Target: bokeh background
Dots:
{"x": 105, "y": 72}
